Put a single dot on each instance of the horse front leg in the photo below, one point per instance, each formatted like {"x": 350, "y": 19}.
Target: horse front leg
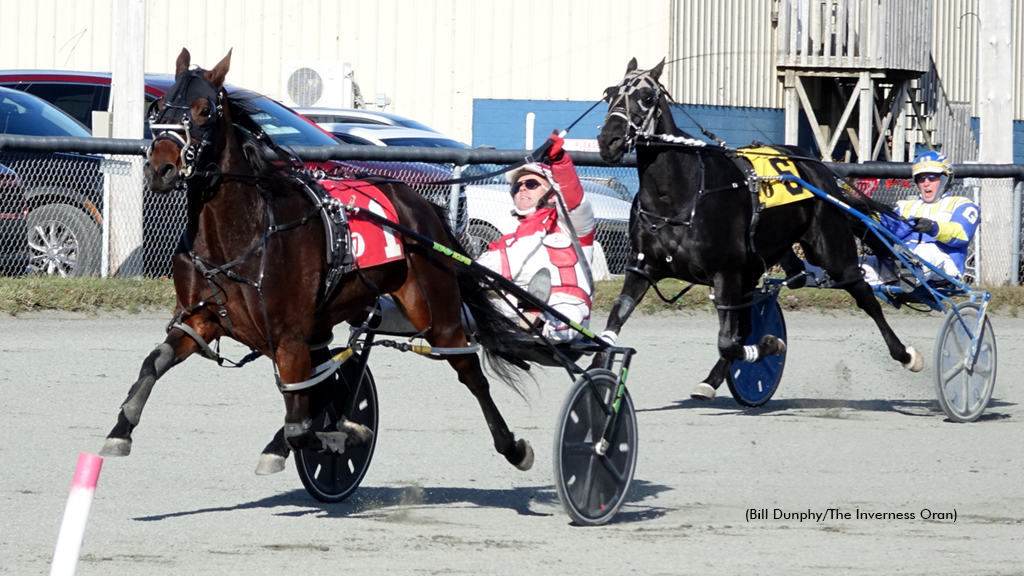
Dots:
{"x": 733, "y": 329}
{"x": 633, "y": 290}
{"x": 175, "y": 348}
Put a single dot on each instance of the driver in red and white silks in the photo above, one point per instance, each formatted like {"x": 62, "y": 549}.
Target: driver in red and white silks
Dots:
{"x": 542, "y": 241}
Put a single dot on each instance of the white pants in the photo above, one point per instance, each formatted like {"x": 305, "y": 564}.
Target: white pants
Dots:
{"x": 553, "y": 328}
{"x": 875, "y": 274}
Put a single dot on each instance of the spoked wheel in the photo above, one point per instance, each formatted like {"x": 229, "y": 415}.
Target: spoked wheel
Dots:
{"x": 754, "y": 383}
{"x": 595, "y": 448}
{"x": 329, "y": 476}
{"x": 964, "y": 392}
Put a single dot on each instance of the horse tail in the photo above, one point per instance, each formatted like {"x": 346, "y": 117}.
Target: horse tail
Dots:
{"x": 499, "y": 336}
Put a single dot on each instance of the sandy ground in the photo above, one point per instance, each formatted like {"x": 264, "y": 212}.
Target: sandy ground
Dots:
{"x": 849, "y": 430}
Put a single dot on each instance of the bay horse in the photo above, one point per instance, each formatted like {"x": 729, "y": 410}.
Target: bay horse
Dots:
{"x": 253, "y": 261}
{"x": 694, "y": 219}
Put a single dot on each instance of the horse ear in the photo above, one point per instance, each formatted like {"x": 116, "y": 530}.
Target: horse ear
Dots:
{"x": 656, "y": 71}
{"x": 181, "y": 66}
{"x": 216, "y": 76}
{"x": 631, "y": 66}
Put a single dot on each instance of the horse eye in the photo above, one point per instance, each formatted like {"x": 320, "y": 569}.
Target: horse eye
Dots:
{"x": 608, "y": 93}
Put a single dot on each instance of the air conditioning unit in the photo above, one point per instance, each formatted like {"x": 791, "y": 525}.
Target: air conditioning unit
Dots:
{"x": 320, "y": 83}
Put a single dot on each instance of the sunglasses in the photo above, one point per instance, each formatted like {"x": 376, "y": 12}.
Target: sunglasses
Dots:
{"x": 929, "y": 177}
{"x": 529, "y": 184}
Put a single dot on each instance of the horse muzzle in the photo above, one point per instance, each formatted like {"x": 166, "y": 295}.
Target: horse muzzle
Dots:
{"x": 162, "y": 179}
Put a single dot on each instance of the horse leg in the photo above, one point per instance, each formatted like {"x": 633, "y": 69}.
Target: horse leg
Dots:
{"x": 733, "y": 329}
{"x": 634, "y": 288}
{"x": 176, "y": 348}
{"x": 840, "y": 261}
{"x": 430, "y": 308}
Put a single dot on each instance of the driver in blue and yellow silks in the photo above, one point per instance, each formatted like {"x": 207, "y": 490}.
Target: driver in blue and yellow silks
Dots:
{"x": 937, "y": 227}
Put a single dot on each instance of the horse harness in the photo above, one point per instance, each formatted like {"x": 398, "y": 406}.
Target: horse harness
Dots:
{"x": 194, "y": 138}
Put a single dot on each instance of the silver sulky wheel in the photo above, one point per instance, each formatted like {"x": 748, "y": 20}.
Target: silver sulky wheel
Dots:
{"x": 328, "y": 476}
{"x": 964, "y": 391}
{"x": 595, "y": 448}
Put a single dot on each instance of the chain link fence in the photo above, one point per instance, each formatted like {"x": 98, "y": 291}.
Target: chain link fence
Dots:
{"x": 991, "y": 256}
{"x": 75, "y": 214}
{"x": 69, "y": 212}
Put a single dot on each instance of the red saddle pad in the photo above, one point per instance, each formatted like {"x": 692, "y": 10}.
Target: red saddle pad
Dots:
{"x": 372, "y": 243}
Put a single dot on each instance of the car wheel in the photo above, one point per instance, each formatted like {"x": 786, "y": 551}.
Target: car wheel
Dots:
{"x": 63, "y": 240}
{"x": 479, "y": 236}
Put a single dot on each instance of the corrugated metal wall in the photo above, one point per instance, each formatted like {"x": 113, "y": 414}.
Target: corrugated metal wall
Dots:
{"x": 431, "y": 57}
{"x": 723, "y": 53}
{"x": 955, "y": 47}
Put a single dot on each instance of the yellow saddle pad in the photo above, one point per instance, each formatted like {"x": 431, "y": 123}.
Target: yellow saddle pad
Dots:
{"x": 768, "y": 161}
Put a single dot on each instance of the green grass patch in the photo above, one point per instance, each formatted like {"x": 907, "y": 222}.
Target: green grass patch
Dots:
{"x": 1005, "y": 299}
{"x": 34, "y": 293}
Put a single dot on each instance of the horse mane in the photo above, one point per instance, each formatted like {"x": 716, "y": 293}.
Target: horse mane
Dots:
{"x": 274, "y": 176}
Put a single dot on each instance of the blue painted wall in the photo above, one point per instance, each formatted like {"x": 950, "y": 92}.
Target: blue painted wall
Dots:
{"x": 1018, "y": 141}
{"x": 502, "y": 123}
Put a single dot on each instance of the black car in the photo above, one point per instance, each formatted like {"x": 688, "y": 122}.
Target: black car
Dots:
{"x": 60, "y": 192}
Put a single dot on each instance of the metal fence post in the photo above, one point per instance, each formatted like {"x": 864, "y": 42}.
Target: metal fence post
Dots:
{"x": 1015, "y": 249}
{"x": 453, "y": 200}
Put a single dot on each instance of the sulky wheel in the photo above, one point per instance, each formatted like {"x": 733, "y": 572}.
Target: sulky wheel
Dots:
{"x": 595, "y": 448}
{"x": 964, "y": 393}
{"x": 753, "y": 384}
{"x": 328, "y": 476}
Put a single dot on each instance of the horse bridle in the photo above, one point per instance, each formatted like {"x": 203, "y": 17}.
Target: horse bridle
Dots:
{"x": 648, "y": 110}
{"x": 192, "y": 137}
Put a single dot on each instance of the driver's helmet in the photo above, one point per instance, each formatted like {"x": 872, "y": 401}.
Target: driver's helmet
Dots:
{"x": 935, "y": 163}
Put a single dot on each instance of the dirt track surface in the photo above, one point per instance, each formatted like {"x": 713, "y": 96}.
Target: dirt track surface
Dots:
{"x": 849, "y": 429}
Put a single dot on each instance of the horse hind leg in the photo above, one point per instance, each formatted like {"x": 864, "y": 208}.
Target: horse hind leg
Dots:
{"x": 431, "y": 309}
{"x": 841, "y": 264}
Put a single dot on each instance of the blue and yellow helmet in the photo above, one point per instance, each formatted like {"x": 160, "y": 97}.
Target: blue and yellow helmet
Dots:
{"x": 934, "y": 163}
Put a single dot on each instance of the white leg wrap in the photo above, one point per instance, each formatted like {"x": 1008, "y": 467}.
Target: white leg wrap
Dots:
{"x": 751, "y": 353}
{"x": 610, "y": 337}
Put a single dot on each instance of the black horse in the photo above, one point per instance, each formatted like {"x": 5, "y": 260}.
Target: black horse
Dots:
{"x": 695, "y": 218}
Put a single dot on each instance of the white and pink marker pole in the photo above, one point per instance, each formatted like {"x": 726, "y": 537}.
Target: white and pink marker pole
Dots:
{"x": 72, "y": 529}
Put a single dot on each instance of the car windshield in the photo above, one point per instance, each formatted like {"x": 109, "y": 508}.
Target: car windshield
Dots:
{"x": 23, "y": 114}
{"x": 286, "y": 128}
{"x": 424, "y": 142}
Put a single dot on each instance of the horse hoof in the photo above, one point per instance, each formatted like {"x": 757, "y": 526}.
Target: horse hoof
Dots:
{"x": 703, "y": 391}
{"x": 916, "y": 363}
{"x": 357, "y": 433}
{"x": 772, "y": 345}
{"x": 527, "y": 462}
{"x": 116, "y": 448}
{"x": 270, "y": 464}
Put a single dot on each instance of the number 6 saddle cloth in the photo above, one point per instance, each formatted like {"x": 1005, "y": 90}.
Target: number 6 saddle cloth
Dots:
{"x": 768, "y": 161}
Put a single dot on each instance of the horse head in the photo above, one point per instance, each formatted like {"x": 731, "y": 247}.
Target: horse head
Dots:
{"x": 634, "y": 108}
{"x": 186, "y": 124}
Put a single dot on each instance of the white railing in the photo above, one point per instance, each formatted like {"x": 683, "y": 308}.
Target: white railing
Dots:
{"x": 855, "y": 34}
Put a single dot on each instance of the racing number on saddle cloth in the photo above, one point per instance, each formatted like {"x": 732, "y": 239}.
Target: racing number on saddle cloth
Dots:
{"x": 372, "y": 243}
{"x": 767, "y": 161}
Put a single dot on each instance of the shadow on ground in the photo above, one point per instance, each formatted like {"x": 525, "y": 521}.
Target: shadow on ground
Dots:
{"x": 727, "y": 407}
{"x": 395, "y": 502}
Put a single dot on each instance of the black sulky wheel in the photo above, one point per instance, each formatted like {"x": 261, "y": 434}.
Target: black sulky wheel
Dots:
{"x": 328, "y": 476}
{"x": 754, "y": 383}
{"x": 964, "y": 393}
{"x": 593, "y": 469}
